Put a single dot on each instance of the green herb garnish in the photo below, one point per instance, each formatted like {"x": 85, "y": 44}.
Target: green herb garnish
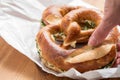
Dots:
{"x": 87, "y": 24}
{"x": 85, "y": 28}
{"x": 59, "y": 36}
{"x": 42, "y": 24}
{"x": 38, "y": 50}
{"x": 90, "y": 23}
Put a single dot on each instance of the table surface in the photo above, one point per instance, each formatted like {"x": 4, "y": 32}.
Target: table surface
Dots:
{"x": 15, "y": 66}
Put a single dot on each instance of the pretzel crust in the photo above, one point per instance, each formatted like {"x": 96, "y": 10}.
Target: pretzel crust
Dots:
{"x": 54, "y": 13}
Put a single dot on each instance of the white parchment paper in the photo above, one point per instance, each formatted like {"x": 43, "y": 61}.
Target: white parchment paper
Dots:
{"x": 19, "y": 24}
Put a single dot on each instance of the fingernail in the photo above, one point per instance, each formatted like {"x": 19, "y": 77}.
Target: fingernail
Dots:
{"x": 92, "y": 41}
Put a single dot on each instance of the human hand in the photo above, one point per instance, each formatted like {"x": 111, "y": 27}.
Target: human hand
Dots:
{"x": 117, "y": 61}
{"x": 111, "y": 18}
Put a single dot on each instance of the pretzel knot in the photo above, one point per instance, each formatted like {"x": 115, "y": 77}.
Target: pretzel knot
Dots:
{"x": 79, "y": 24}
{"x": 56, "y": 43}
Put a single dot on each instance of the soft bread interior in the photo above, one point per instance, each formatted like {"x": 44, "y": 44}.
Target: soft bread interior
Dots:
{"x": 90, "y": 54}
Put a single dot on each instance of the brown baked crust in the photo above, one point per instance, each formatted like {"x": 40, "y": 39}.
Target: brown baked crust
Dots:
{"x": 55, "y": 55}
{"x": 54, "y": 13}
{"x": 78, "y": 16}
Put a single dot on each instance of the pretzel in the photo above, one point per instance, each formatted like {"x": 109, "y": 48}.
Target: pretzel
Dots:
{"x": 54, "y": 13}
{"x": 82, "y": 59}
{"x": 84, "y": 21}
{"x": 60, "y": 56}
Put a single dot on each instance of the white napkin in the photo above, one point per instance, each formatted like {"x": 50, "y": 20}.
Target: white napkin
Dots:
{"x": 19, "y": 24}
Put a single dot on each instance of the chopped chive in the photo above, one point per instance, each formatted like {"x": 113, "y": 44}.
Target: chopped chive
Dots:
{"x": 87, "y": 24}
{"x": 85, "y": 28}
{"x": 42, "y": 23}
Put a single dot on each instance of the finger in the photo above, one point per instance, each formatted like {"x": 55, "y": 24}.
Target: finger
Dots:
{"x": 100, "y": 33}
{"x": 118, "y": 61}
{"x": 118, "y": 54}
{"x": 118, "y": 46}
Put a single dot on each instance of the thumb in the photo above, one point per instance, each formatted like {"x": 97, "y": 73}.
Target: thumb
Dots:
{"x": 100, "y": 32}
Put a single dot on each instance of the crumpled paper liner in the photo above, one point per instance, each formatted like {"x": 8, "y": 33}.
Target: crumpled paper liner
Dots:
{"x": 19, "y": 24}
